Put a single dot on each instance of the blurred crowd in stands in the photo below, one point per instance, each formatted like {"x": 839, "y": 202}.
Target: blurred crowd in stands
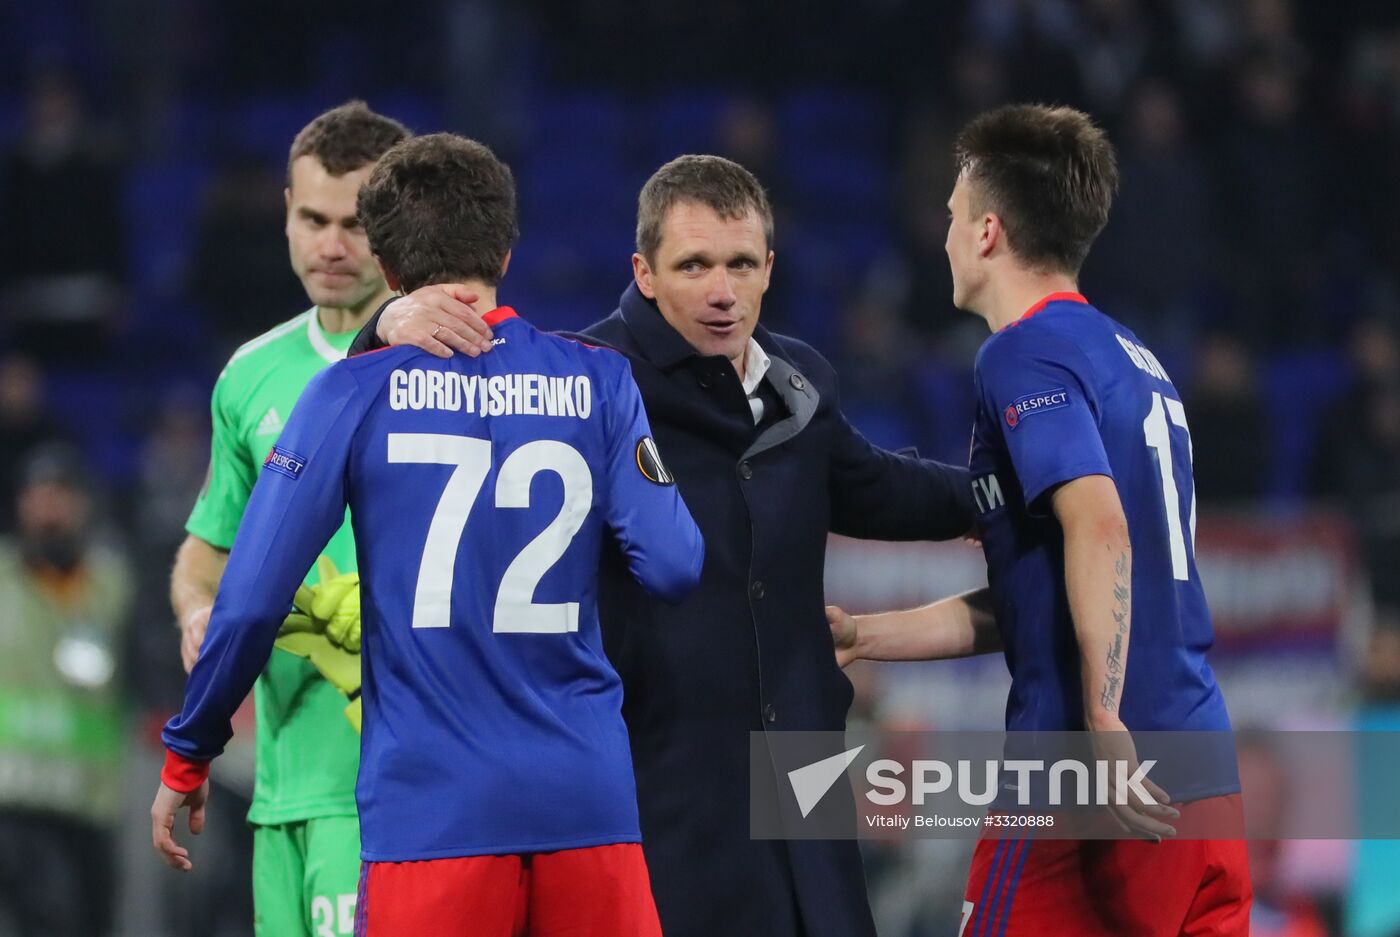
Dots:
{"x": 1253, "y": 245}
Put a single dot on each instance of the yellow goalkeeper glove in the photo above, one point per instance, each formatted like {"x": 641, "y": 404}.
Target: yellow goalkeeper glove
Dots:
{"x": 340, "y": 668}
{"x": 331, "y": 607}
{"x": 333, "y": 604}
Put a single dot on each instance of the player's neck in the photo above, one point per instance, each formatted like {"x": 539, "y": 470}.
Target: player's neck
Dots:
{"x": 1010, "y": 295}
{"x": 339, "y": 319}
{"x": 485, "y": 295}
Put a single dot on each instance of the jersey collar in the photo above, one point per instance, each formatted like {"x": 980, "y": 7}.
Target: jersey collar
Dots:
{"x": 1055, "y": 298}
{"x": 317, "y": 337}
{"x": 500, "y": 314}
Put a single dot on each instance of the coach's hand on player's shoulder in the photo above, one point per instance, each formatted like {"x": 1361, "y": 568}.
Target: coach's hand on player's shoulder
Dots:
{"x": 843, "y": 634}
{"x": 439, "y": 319}
{"x": 1145, "y": 820}
{"x": 167, "y": 806}
{"x": 192, "y": 628}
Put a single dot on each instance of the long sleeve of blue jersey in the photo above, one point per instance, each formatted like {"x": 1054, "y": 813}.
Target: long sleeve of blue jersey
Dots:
{"x": 296, "y": 506}
{"x": 644, "y": 509}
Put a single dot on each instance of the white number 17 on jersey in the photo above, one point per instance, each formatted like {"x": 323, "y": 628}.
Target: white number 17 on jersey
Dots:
{"x": 1159, "y": 438}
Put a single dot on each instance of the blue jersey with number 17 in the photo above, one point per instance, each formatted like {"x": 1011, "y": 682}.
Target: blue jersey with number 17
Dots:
{"x": 480, "y": 491}
{"x": 1063, "y": 393}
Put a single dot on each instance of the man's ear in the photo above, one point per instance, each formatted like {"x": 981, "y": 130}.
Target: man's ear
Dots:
{"x": 641, "y": 272}
{"x": 390, "y": 277}
{"x": 767, "y": 271}
{"x": 505, "y": 264}
{"x": 992, "y": 234}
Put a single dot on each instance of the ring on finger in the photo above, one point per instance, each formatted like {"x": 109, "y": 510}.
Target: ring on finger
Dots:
{"x": 435, "y": 331}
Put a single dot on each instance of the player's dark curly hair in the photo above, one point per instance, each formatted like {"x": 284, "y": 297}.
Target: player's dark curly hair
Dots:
{"x": 1048, "y": 172}
{"x": 345, "y": 138}
{"x": 722, "y": 185}
{"x": 440, "y": 209}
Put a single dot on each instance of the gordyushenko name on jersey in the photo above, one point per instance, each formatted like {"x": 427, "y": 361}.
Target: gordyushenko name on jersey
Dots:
{"x": 494, "y": 395}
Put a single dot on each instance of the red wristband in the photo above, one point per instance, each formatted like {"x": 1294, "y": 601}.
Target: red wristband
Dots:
{"x": 181, "y": 774}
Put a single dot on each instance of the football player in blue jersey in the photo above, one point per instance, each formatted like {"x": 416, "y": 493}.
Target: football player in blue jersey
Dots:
{"x": 496, "y": 791}
{"x": 1081, "y": 470}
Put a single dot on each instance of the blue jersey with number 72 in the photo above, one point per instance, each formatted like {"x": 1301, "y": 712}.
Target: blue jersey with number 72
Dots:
{"x": 1063, "y": 393}
{"x": 481, "y": 492}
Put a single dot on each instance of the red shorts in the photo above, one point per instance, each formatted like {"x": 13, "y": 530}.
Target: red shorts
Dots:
{"x": 1108, "y": 888}
{"x": 598, "y": 891}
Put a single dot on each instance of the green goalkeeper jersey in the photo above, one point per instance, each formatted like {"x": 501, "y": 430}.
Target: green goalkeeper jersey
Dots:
{"x": 307, "y": 752}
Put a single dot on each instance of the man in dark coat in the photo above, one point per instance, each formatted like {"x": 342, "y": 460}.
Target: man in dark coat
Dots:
{"x": 749, "y": 425}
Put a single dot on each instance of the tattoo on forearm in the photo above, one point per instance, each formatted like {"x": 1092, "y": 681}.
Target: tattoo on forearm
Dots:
{"x": 1122, "y": 615}
{"x": 1115, "y": 656}
{"x": 1109, "y": 697}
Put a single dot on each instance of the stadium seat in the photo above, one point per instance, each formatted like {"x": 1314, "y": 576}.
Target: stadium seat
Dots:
{"x": 580, "y": 121}
{"x": 947, "y": 406}
{"x": 1300, "y": 387}
{"x": 836, "y": 184}
{"x": 265, "y": 127}
{"x": 835, "y": 119}
{"x": 682, "y": 123}
{"x": 162, "y": 203}
{"x": 883, "y": 426}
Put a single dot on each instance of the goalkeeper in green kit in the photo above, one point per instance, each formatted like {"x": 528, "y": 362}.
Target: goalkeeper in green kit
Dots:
{"x": 306, "y": 857}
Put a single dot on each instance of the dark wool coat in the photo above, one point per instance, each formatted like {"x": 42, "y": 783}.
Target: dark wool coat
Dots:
{"x": 749, "y": 650}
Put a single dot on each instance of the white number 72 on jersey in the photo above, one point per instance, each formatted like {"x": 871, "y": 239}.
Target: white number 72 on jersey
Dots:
{"x": 515, "y": 610}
